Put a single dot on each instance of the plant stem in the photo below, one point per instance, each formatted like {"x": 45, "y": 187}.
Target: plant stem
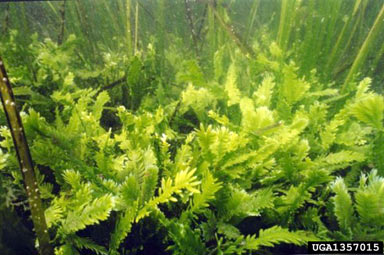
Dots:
{"x": 128, "y": 27}
{"x": 160, "y": 16}
{"x": 86, "y": 28}
{"x": 6, "y": 19}
{"x": 245, "y": 48}
{"x": 363, "y": 52}
{"x": 62, "y": 25}
{"x": 115, "y": 83}
{"x": 285, "y": 23}
{"x": 188, "y": 13}
{"x": 136, "y": 27}
{"x": 254, "y": 9}
{"x": 25, "y": 162}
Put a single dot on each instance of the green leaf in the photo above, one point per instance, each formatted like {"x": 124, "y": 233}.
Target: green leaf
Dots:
{"x": 98, "y": 107}
{"x": 263, "y": 94}
{"x": 90, "y": 214}
{"x": 86, "y": 243}
{"x": 370, "y": 110}
{"x": 369, "y": 200}
{"x": 209, "y": 187}
{"x": 230, "y": 88}
{"x": 275, "y": 235}
{"x": 184, "y": 180}
{"x": 293, "y": 89}
{"x": 122, "y": 228}
{"x": 343, "y": 204}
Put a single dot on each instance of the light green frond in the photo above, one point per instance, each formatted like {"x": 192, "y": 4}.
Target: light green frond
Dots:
{"x": 221, "y": 119}
{"x": 196, "y": 98}
{"x": 184, "y": 180}
{"x": 209, "y": 187}
{"x": 225, "y": 142}
{"x": 369, "y": 200}
{"x": 98, "y": 210}
{"x": 233, "y": 93}
{"x": 294, "y": 199}
{"x": 122, "y": 228}
{"x": 54, "y": 213}
{"x": 363, "y": 88}
{"x": 228, "y": 230}
{"x": 370, "y": 110}
{"x": 275, "y": 50}
{"x": 263, "y": 94}
{"x": 86, "y": 243}
{"x": 242, "y": 204}
{"x": 325, "y": 92}
{"x": 217, "y": 142}
{"x": 3, "y": 159}
{"x": 275, "y": 235}
{"x": 65, "y": 249}
{"x": 356, "y": 134}
{"x": 254, "y": 119}
{"x": 340, "y": 159}
{"x": 98, "y": 106}
{"x": 343, "y": 204}
{"x": 72, "y": 177}
{"x": 293, "y": 88}
{"x": 205, "y": 137}
{"x": 218, "y": 62}
{"x": 288, "y": 134}
{"x": 329, "y": 132}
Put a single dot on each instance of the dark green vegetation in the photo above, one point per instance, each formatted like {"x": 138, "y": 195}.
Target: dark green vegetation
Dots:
{"x": 195, "y": 127}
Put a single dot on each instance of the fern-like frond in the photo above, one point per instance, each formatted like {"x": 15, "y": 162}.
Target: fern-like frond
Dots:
{"x": 54, "y": 213}
{"x": 253, "y": 119}
{"x": 228, "y": 230}
{"x": 90, "y": 214}
{"x": 344, "y": 157}
{"x": 209, "y": 187}
{"x": 86, "y": 243}
{"x": 185, "y": 239}
{"x": 242, "y": 204}
{"x": 293, "y": 88}
{"x": 184, "y": 180}
{"x": 275, "y": 235}
{"x": 339, "y": 159}
{"x": 263, "y": 94}
{"x": 205, "y": 137}
{"x": 72, "y": 177}
{"x": 294, "y": 199}
{"x": 198, "y": 99}
{"x": 329, "y": 132}
{"x": 378, "y": 153}
{"x": 122, "y": 228}
{"x": 343, "y": 204}
{"x": 370, "y": 110}
{"x": 98, "y": 107}
{"x": 363, "y": 88}
{"x": 369, "y": 200}
{"x": 233, "y": 93}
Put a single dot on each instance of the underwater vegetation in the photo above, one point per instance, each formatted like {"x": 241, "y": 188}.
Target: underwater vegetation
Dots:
{"x": 190, "y": 127}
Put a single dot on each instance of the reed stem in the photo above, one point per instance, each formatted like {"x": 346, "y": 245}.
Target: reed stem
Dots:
{"x": 188, "y": 13}
{"x": 136, "y": 27}
{"x": 363, "y": 52}
{"x": 25, "y": 162}
{"x": 245, "y": 48}
{"x": 6, "y": 19}
{"x": 62, "y": 24}
{"x": 128, "y": 26}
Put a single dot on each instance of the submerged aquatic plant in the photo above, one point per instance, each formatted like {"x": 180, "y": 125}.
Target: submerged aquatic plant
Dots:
{"x": 25, "y": 161}
{"x": 229, "y": 137}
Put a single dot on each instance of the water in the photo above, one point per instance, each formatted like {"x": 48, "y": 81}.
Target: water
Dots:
{"x": 190, "y": 127}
